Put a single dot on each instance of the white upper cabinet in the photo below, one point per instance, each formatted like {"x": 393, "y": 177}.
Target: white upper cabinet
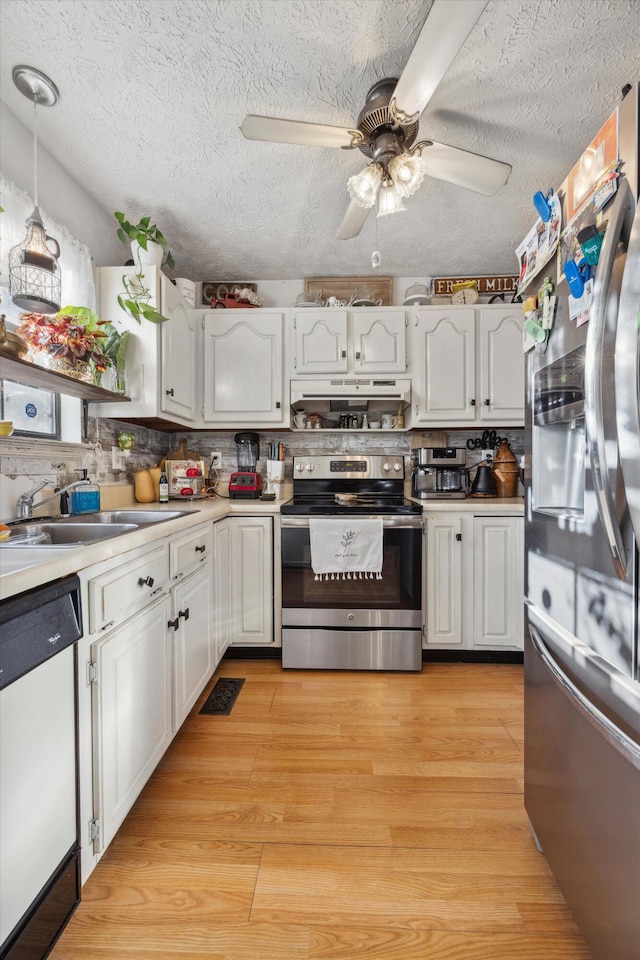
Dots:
{"x": 365, "y": 341}
{"x": 319, "y": 341}
{"x": 469, "y": 366}
{"x": 161, "y": 359}
{"x": 243, "y": 368}
{"x": 379, "y": 341}
{"x": 501, "y": 365}
{"x": 179, "y": 352}
{"x": 444, "y": 387}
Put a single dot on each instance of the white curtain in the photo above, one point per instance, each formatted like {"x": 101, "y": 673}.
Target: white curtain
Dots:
{"x": 76, "y": 266}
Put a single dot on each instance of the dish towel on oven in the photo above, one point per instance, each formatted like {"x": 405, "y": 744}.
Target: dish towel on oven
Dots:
{"x": 346, "y": 549}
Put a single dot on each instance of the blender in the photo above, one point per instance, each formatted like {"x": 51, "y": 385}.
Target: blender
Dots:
{"x": 245, "y": 483}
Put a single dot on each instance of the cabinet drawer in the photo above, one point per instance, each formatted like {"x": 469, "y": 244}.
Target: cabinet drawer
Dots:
{"x": 186, "y": 552}
{"x": 123, "y": 591}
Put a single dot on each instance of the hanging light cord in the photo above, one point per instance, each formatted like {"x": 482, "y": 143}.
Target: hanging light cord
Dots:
{"x": 35, "y": 149}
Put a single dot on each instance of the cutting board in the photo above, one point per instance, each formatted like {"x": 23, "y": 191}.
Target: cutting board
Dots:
{"x": 343, "y": 287}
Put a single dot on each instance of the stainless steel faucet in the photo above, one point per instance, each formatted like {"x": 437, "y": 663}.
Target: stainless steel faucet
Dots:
{"x": 25, "y": 503}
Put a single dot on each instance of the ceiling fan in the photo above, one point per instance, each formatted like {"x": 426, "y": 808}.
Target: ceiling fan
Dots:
{"x": 387, "y": 127}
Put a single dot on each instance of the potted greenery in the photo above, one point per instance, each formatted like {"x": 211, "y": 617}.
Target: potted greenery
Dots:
{"x": 72, "y": 341}
{"x": 147, "y": 237}
{"x": 144, "y": 237}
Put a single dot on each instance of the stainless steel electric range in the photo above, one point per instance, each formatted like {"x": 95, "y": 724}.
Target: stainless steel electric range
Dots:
{"x": 352, "y": 622}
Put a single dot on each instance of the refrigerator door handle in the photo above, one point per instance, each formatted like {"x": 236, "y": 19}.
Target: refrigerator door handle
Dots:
{"x": 616, "y": 737}
{"x": 593, "y": 391}
{"x": 627, "y": 375}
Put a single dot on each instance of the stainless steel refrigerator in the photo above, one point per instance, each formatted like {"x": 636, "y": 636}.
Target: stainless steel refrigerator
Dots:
{"x": 582, "y": 676}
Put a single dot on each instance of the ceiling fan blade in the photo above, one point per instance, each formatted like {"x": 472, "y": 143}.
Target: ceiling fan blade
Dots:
{"x": 465, "y": 169}
{"x": 297, "y": 131}
{"x": 353, "y": 221}
{"x": 445, "y": 30}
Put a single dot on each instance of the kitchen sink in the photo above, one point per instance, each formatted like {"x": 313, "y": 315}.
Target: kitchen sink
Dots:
{"x": 33, "y": 534}
{"x": 139, "y": 517}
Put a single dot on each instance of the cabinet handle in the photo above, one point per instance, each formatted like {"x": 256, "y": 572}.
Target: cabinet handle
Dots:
{"x": 175, "y": 624}
{"x": 107, "y": 625}
{"x": 472, "y": 403}
{"x": 357, "y": 354}
{"x": 201, "y": 549}
{"x": 169, "y": 393}
{"x": 458, "y": 536}
{"x": 343, "y": 354}
{"x": 145, "y": 581}
{"x": 487, "y": 403}
{"x": 277, "y": 404}
{"x": 184, "y": 614}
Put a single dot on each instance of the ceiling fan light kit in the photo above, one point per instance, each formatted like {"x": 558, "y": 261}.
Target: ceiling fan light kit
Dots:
{"x": 363, "y": 187}
{"x": 387, "y": 127}
{"x": 407, "y": 172}
{"x": 389, "y": 200}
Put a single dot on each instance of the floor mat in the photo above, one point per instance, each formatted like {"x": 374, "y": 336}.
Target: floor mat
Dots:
{"x": 223, "y": 696}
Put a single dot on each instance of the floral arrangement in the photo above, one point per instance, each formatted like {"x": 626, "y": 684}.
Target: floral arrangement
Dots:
{"x": 74, "y": 335}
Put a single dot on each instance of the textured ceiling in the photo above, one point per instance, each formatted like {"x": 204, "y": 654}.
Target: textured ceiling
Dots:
{"x": 152, "y": 94}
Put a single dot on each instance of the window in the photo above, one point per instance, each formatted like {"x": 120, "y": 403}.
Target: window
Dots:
{"x": 33, "y": 412}
{"x": 36, "y": 412}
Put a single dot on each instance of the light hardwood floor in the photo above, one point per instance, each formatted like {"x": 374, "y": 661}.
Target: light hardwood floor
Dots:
{"x": 334, "y": 816}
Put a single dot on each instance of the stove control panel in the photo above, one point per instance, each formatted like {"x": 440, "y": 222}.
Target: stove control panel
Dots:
{"x": 355, "y": 467}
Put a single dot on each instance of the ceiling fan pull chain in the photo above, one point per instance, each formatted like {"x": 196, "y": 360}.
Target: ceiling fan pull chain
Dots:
{"x": 376, "y": 259}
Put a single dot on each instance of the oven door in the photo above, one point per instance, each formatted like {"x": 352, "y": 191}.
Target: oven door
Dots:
{"x": 395, "y": 602}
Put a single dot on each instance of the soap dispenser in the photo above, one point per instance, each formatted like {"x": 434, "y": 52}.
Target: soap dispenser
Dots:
{"x": 85, "y": 499}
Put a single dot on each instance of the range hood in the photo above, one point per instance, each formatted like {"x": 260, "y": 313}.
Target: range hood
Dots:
{"x": 349, "y": 390}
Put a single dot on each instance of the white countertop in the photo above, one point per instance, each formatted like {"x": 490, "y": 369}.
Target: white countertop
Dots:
{"x": 23, "y": 568}
{"x": 506, "y": 506}
{"x": 51, "y": 563}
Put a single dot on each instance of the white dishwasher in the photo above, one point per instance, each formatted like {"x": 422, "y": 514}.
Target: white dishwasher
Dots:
{"x": 39, "y": 852}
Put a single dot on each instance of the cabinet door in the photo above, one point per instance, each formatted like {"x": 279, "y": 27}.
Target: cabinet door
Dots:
{"x": 501, "y": 366}
{"x": 320, "y": 341}
{"x": 445, "y": 365}
{"x": 222, "y": 587}
{"x": 498, "y": 564}
{"x": 192, "y": 636}
{"x": 178, "y": 369}
{"x": 444, "y": 581}
{"x": 243, "y": 367}
{"x": 252, "y": 580}
{"x": 132, "y": 711}
{"x": 379, "y": 341}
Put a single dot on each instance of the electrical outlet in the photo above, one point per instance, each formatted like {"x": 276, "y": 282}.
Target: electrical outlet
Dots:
{"x": 488, "y": 453}
{"x": 216, "y": 459}
{"x": 117, "y": 459}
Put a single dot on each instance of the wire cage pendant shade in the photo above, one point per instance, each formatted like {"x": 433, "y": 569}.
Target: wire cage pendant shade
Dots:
{"x": 35, "y": 279}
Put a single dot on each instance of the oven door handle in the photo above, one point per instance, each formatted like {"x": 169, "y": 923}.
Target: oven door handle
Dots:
{"x": 395, "y": 522}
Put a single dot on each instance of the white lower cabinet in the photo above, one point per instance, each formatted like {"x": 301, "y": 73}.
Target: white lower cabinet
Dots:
{"x": 251, "y": 571}
{"x": 193, "y": 648}
{"x": 132, "y": 719}
{"x": 474, "y": 582}
{"x": 152, "y": 653}
{"x": 222, "y": 586}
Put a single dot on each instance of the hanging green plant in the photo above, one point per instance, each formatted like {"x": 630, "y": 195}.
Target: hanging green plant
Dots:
{"x": 136, "y": 299}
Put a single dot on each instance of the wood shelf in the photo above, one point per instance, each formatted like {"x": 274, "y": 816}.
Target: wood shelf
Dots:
{"x": 12, "y": 368}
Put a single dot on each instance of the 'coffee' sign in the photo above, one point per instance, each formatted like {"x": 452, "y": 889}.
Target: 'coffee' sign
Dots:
{"x": 443, "y": 286}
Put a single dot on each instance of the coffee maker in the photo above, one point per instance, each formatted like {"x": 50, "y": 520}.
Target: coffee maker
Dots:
{"x": 245, "y": 483}
{"x": 440, "y": 472}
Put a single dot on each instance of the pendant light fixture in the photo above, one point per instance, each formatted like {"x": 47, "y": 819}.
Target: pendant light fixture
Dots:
{"x": 34, "y": 271}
